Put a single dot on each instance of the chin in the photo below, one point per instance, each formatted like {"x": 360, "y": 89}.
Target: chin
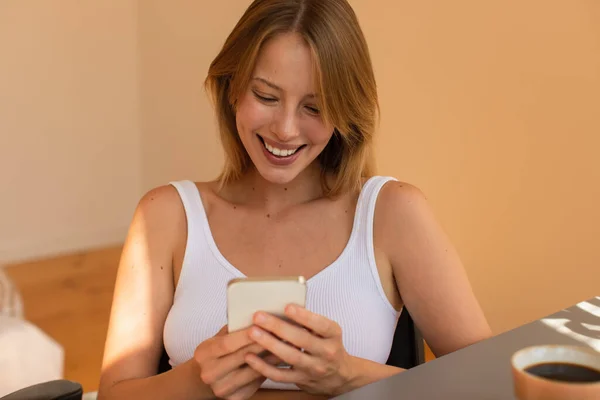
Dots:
{"x": 277, "y": 176}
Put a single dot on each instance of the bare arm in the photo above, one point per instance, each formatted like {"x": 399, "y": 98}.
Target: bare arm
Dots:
{"x": 142, "y": 298}
{"x": 428, "y": 272}
{"x": 364, "y": 372}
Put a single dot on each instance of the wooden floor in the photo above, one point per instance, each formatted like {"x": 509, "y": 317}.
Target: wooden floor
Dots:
{"x": 69, "y": 298}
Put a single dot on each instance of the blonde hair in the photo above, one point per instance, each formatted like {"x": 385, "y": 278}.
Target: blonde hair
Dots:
{"x": 345, "y": 82}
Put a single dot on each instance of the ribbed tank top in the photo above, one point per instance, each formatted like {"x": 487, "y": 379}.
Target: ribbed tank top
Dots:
{"x": 347, "y": 291}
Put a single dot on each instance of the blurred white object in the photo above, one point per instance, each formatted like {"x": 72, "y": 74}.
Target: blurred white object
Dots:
{"x": 27, "y": 355}
{"x": 10, "y": 299}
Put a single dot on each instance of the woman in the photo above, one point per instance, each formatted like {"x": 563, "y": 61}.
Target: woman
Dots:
{"x": 296, "y": 98}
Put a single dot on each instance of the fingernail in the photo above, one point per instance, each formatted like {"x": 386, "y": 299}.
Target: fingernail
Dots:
{"x": 291, "y": 309}
{"x": 256, "y": 333}
{"x": 260, "y": 318}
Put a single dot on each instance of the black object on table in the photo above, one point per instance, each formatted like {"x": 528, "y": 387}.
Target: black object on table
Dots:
{"x": 60, "y": 389}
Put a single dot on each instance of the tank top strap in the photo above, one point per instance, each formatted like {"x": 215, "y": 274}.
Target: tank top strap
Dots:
{"x": 365, "y": 210}
{"x": 194, "y": 209}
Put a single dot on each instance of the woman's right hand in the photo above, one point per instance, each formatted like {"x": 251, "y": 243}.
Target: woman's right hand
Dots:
{"x": 222, "y": 367}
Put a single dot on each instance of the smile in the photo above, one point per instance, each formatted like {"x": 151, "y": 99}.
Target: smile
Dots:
{"x": 279, "y": 152}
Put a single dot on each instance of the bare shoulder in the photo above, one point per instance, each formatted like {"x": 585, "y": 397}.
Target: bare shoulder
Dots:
{"x": 402, "y": 217}
{"x": 395, "y": 194}
{"x": 160, "y": 200}
{"x": 161, "y": 209}
{"x": 156, "y": 234}
{"x": 409, "y": 234}
{"x": 400, "y": 205}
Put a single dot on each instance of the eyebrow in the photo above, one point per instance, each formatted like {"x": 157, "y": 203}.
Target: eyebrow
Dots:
{"x": 274, "y": 86}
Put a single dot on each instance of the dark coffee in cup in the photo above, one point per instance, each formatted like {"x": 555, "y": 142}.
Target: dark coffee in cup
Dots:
{"x": 556, "y": 372}
{"x": 564, "y": 372}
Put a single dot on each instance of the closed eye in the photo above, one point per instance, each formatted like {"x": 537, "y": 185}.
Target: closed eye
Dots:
{"x": 313, "y": 110}
{"x": 263, "y": 98}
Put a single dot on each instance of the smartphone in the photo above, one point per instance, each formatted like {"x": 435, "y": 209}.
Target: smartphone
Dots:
{"x": 246, "y": 296}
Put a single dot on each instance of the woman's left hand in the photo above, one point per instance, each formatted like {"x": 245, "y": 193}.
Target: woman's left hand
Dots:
{"x": 324, "y": 367}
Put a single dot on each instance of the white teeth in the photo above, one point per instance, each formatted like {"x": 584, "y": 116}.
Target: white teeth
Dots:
{"x": 279, "y": 152}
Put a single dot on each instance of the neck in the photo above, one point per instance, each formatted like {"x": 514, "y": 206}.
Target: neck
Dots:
{"x": 252, "y": 189}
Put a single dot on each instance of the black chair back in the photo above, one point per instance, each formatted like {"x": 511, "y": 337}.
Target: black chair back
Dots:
{"x": 408, "y": 348}
{"x": 163, "y": 363}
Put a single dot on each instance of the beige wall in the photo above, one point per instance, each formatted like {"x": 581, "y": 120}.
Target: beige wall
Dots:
{"x": 490, "y": 107}
{"x": 70, "y": 153}
{"x": 178, "y": 40}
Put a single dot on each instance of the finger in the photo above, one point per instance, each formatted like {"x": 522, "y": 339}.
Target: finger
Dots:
{"x": 221, "y": 367}
{"x": 284, "y": 351}
{"x": 245, "y": 392}
{"x": 271, "y": 359}
{"x": 289, "y": 332}
{"x": 319, "y": 324}
{"x": 229, "y": 343}
{"x": 242, "y": 382}
{"x": 242, "y": 379}
{"x": 286, "y": 375}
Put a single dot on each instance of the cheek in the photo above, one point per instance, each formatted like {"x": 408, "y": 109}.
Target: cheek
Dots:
{"x": 317, "y": 132}
{"x": 251, "y": 115}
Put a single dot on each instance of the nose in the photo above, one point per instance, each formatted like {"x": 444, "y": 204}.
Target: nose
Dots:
{"x": 285, "y": 124}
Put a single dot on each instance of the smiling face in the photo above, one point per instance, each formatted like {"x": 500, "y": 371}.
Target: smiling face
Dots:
{"x": 277, "y": 117}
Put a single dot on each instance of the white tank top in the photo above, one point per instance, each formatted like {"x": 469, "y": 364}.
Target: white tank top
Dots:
{"x": 347, "y": 291}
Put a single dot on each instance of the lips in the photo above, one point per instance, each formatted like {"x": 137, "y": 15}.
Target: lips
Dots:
{"x": 287, "y": 154}
{"x": 279, "y": 150}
